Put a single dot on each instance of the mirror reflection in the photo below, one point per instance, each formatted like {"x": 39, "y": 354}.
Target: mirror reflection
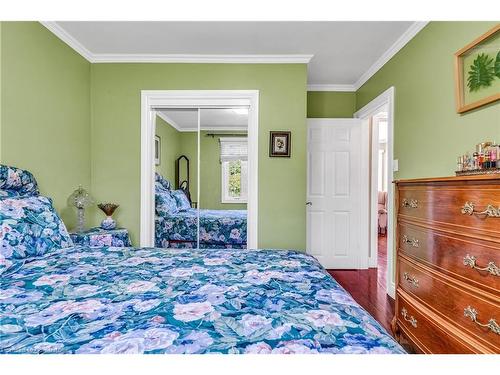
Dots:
{"x": 223, "y": 178}
{"x": 211, "y": 212}
{"x": 176, "y": 185}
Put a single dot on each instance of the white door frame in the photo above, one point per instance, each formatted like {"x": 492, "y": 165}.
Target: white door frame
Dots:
{"x": 370, "y": 109}
{"x": 151, "y": 99}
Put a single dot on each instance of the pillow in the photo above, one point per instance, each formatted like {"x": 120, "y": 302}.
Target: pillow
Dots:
{"x": 162, "y": 181}
{"x": 164, "y": 202}
{"x": 17, "y": 182}
{"x": 181, "y": 199}
{"x": 29, "y": 226}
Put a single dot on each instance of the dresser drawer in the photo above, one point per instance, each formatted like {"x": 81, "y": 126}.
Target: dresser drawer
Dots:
{"x": 428, "y": 335}
{"x": 469, "y": 208}
{"x": 452, "y": 300}
{"x": 473, "y": 261}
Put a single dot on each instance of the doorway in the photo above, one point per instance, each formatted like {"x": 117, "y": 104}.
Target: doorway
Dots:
{"x": 151, "y": 104}
{"x": 378, "y": 117}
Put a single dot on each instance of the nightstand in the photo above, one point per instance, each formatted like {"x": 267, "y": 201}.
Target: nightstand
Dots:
{"x": 102, "y": 237}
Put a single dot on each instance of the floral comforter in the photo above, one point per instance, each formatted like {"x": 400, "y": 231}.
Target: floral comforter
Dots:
{"x": 126, "y": 300}
{"x": 218, "y": 228}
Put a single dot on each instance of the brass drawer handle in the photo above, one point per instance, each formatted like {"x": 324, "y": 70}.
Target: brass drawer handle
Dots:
{"x": 410, "y": 241}
{"x": 410, "y": 319}
{"x": 491, "y": 211}
{"x": 411, "y": 280}
{"x": 412, "y": 203}
{"x": 491, "y": 268}
{"x": 492, "y": 325}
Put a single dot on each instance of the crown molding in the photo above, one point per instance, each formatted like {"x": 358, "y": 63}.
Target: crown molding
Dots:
{"x": 169, "y": 121}
{"x": 68, "y": 39}
{"x": 332, "y": 87}
{"x": 179, "y": 128}
{"x": 201, "y": 59}
{"x": 408, "y": 35}
{"x": 172, "y": 58}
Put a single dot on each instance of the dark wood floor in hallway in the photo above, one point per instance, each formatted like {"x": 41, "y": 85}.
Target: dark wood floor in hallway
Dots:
{"x": 368, "y": 287}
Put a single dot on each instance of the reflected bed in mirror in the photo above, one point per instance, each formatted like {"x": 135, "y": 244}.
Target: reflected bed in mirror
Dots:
{"x": 221, "y": 203}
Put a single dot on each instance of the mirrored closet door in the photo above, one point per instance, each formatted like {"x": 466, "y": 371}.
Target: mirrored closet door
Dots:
{"x": 223, "y": 178}
{"x": 201, "y": 206}
{"x": 176, "y": 177}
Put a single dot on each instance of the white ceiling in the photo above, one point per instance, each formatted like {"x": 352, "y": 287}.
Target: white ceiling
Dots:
{"x": 343, "y": 53}
{"x": 216, "y": 119}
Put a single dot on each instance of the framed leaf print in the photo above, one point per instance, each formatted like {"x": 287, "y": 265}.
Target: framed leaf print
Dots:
{"x": 477, "y": 72}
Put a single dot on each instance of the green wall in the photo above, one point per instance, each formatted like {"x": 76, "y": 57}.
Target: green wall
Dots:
{"x": 429, "y": 134}
{"x": 45, "y": 115}
{"x": 170, "y": 148}
{"x": 329, "y": 104}
{"x": 115, "y": 136}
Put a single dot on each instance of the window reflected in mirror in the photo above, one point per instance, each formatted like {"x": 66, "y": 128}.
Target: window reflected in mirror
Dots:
{"x": 223, "y": 177}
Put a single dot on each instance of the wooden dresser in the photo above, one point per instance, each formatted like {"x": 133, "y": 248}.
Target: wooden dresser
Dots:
{"x": 448, "y": 264}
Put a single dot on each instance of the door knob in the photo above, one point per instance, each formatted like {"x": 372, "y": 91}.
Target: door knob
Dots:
{"x": 309, "y": 203}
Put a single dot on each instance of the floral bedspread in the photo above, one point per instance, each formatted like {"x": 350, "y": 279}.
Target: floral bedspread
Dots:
{"x": 126, "y": 300}
{"x": 218, "y": 228}
{"x": 99, "y": 237}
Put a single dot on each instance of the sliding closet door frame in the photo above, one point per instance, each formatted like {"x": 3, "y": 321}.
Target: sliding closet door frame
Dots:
{"x": 153, "y": 99}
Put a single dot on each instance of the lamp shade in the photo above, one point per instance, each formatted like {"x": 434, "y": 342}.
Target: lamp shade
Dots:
{"x": 80, "y": 198}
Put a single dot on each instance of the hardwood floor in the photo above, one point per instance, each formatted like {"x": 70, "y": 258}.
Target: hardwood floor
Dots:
{"x": 368, "y": 287}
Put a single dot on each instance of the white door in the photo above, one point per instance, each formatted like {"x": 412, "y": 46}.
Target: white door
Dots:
{"x": 337, "y": 192}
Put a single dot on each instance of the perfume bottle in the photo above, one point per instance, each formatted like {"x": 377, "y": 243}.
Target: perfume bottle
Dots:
{"x": 460, "y": 164}
{"x": 486, "y": 160}
{"x": 493, "y": 155}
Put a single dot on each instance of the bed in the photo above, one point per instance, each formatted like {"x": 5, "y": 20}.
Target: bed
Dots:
{"x": 176, "y": 223}
{"x": 218, "y": 228}
{"x": 60, "y": 298}
{"x": 127, "y": 300}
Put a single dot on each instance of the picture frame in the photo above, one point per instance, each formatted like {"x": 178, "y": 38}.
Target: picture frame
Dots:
{"x": 477, "y": 72}
{"x": 157, "y": 150}
{"x": 280, "y": 144}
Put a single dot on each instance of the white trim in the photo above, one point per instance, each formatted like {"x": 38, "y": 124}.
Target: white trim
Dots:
{"x": 332, "y": 87}
{"x": 68, "y": 39}
{"x": 152, "y": 99}
{"x": 171, "y": 122}
{"x": 198, "y": 177}
{"x": 386, "y": 98}
{"x": 201, "y": 58}
{"x": 224, "y": 129}
{"x": 408, "y": 35}
{"x": 365, "y": 197}
{"x": 173, "y": 58}
{"x": 177, "y": 127}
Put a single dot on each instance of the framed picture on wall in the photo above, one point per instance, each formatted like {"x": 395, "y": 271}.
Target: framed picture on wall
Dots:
{"x": 477, "y": 72}
{"x": 157, "y": 150}
{"x": 280, "y": 144}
